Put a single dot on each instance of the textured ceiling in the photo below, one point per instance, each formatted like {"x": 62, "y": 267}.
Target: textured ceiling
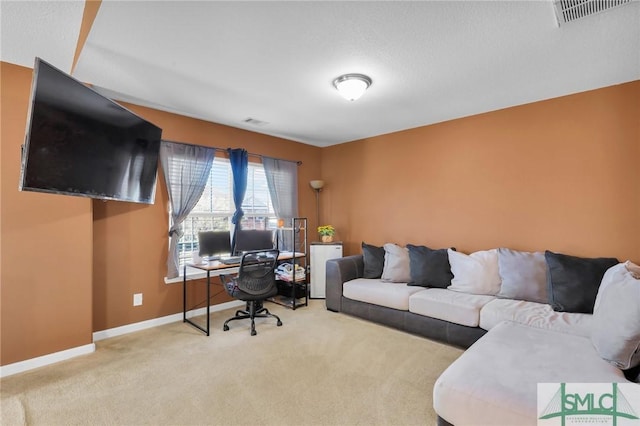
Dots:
{"x": 274, "y": 61}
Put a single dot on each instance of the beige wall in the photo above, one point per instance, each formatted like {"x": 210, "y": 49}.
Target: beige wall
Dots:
{"x": 562, "y": 174}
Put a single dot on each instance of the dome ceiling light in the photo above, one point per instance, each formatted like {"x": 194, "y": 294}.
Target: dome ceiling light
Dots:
{"x": 352, "y": 86}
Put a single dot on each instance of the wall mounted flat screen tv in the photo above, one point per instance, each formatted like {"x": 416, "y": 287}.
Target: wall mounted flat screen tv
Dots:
{"x": 81, "y": 143}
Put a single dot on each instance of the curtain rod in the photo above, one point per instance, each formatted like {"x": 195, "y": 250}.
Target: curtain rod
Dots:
{"x": 299, "y": 163}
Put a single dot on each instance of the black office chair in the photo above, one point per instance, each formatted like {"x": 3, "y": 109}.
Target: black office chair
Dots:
{"x": 255, "y": 282}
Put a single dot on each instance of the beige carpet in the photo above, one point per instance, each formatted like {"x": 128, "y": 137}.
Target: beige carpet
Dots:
{"x": 319, "y": 368}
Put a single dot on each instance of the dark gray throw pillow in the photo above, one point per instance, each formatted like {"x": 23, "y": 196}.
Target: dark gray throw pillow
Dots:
{"x": 573, "y": 282}
{"x": 429, "y": 267}
{"x": 373, "y": 258}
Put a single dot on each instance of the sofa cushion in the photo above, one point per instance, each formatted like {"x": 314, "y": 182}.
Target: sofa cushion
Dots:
{"x": 447, "y": 305}
{"x": 534, "y": 314}
{"x": 633, "y": 269}
{"x": 494, "y": 382}
{"x": 475, "y": 273}
{"x": 396, "y": 264}
{"x": 373, "y": 258}
{"x": 573, "y": 281}
{"x": 616, "y": 317}
{"x": 523, "y": 275}
{"x": 378, "y": 292}
{"x": 429, "y": 267}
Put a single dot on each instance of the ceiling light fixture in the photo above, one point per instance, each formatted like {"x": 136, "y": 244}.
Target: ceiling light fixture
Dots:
{"x": 352, "y": 86}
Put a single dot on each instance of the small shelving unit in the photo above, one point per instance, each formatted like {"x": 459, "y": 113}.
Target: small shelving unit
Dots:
{"x": 293, "y": 288}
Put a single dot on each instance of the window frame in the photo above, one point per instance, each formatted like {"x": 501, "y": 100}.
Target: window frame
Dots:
{"x": 268, "y": 218}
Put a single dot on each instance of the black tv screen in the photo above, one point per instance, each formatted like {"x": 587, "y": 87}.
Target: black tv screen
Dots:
{"x": 81, "y": 143}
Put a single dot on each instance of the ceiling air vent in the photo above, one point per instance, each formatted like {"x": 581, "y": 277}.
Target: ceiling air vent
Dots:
{"x": 254, "y": 122}
{"x": 571, "y": 10}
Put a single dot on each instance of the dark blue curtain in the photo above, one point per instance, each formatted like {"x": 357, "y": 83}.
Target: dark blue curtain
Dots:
{"x": 239, "y": 159}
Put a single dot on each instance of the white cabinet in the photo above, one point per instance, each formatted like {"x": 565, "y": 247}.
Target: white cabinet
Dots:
{"x": 320, "y": 253}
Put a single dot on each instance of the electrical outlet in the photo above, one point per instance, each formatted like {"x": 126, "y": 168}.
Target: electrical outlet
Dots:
{"x": 137, "y": 299}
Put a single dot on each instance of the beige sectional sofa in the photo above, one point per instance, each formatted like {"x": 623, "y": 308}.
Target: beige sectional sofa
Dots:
{"x": 512, "y": 344}
{"x": 470, "y": 310}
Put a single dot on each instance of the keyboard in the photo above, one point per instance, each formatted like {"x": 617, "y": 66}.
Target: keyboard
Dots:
{"x": 231, "y": 260}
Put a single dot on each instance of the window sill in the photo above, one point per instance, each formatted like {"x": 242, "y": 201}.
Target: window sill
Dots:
{"x": 192, "y": 274}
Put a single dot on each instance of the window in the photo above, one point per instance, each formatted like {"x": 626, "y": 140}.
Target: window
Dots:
{"x": 215, "y": 208}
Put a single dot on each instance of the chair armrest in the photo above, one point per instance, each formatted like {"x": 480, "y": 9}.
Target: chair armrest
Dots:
{"x": 228, "y": 282}
{"x": 225, "y": 278}
{"x": 338, "y": 272}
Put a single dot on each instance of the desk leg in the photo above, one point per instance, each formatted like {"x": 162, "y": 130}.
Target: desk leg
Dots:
{"x": 184, "y": 303}
{"x": 208, "y": 299}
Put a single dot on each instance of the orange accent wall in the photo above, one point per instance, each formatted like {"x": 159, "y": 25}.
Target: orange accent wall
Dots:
{"x": 89, "y": 14}
{"x": 561, "y": 174}
{"x": 130, "y": 240}
{"x": 46, "y": 248}
{"x": 69, "y": 266}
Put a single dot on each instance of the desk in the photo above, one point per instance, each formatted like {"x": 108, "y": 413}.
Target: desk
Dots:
{"x": 216, "y": 269}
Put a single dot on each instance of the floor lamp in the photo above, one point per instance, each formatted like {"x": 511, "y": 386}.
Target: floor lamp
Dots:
{"x": 317, "y": 185}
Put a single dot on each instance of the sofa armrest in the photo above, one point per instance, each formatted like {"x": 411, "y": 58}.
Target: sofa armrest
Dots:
{"x": 338, "y": 272}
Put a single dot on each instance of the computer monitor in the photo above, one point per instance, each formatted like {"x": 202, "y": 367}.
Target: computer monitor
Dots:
{"x": 214, "y": 243}
{"x": 252, "y": 239}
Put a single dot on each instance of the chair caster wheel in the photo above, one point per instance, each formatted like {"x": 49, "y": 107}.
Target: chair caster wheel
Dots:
{"x": 279, "y": 323}
{"x": 253, "y": 332}
{"x": 225, "y": 328}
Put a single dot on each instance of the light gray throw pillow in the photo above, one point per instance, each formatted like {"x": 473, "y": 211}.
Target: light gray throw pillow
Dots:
{"x": 396, "y": 264}
{"x": 523, "y": 274}
{"x": 615, "y": 329}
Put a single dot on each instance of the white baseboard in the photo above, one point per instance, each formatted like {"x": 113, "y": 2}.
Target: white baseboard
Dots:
{"x": 130, "y": 328}
{"x": 41, "y": 361}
